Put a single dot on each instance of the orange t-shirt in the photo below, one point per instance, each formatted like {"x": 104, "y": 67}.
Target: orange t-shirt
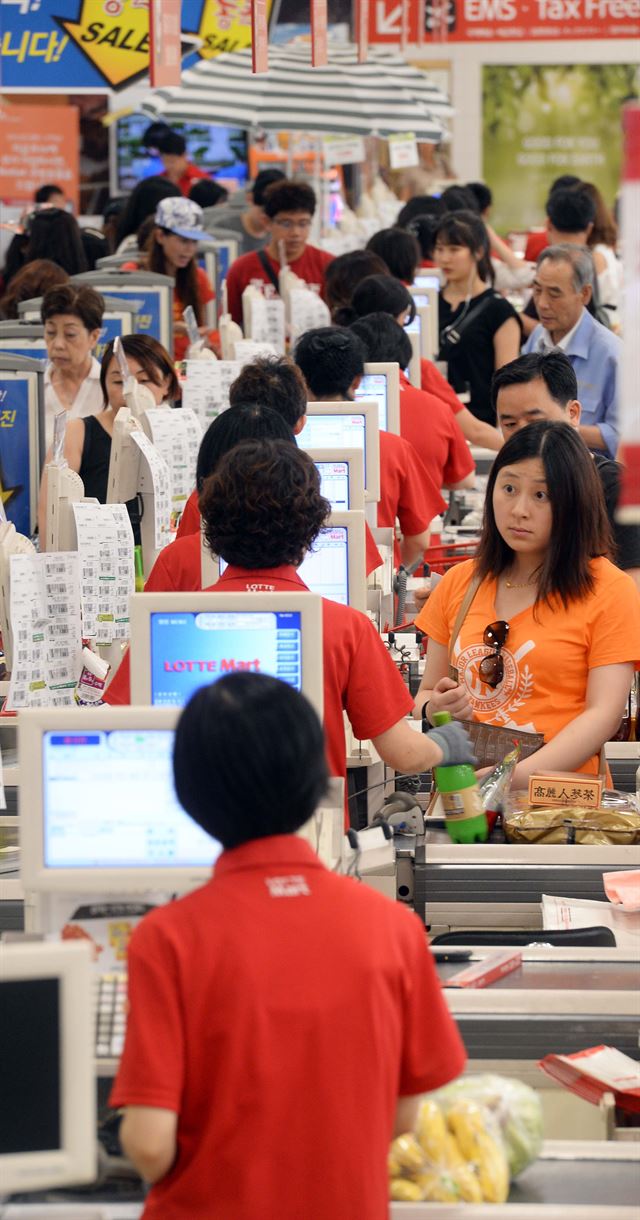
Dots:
{"x": 547, "y": 658}
{"x": 205, "y": 294}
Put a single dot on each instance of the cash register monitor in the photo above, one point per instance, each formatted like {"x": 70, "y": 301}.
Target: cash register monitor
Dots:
{"x": 381, "y": 383}
{"x": 48, "y": 1112}
{"x": 335, "y": 565}
{"x": 102, "y": 814}
{"x": 341, "y": 478}
{"x": 426, "y": 298}
{"x": 345, "y": 425}
{"x": 179, "y": 641}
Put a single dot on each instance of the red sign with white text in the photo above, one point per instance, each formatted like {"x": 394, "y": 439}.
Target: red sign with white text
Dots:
{"x": 164, "y": 43}
{"x": 504, "y": 20}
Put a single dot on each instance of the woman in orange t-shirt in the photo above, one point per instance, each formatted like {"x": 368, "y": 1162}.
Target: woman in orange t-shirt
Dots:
{"x": 551, "y": 639}
{"x": 171, "y": 250}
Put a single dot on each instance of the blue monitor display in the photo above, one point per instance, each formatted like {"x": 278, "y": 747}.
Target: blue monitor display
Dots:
{"x": 220, "y": 151}
{"x": 189, "y": 650}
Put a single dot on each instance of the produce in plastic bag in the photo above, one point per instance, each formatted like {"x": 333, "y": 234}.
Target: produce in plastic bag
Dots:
{"x": 471, "y": 1125}
{"x": 515, "y": 1106}
{"x": 434, "y": 1165}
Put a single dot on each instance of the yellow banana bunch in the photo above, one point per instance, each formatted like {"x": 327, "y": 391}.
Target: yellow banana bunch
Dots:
{"x": 431, "y": 1132}
{"x": 478, "y": 1145}
{"x": 405, "y": 1156}
{"x": 404, "y": 1191}
{"x": 438, "y": 1186}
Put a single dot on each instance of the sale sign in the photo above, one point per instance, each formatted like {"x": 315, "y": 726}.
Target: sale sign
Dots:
{"x": 38, "y": 144}
{"x": 501, "y": 20}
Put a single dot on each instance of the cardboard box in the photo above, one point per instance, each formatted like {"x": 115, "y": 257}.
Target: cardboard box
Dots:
{"x": 566, "y": 788}
{"x": 487, "y": 971}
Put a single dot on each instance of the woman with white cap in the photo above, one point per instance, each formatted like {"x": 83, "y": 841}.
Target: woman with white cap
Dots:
{"x": 172, "y": 251}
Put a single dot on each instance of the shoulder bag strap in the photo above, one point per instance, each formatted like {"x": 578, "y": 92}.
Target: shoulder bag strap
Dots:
{"x": 266, "y": 266}
{"x": 472, "y": 589}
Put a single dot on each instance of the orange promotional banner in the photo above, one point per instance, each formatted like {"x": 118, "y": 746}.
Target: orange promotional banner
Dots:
{"x": 38, "y": 144}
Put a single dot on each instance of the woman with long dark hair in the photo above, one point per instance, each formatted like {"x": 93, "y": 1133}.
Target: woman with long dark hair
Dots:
{"x": 479, "y": 329}
{"x": 543, "y": 630}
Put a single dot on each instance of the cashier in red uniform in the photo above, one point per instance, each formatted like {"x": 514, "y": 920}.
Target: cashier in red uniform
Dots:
{"x": 282, "y": 1020}
{"x": 274, "y": 382}
{"x": 262, "y": 510}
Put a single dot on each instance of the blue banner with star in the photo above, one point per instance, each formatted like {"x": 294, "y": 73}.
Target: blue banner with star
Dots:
{"x": 18, "y": 435}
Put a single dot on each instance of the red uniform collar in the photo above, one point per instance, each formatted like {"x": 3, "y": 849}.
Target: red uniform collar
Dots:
{"x": 286, "y": 573}
{"x": 277, "y": 851}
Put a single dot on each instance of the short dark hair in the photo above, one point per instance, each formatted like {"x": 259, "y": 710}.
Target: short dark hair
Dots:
{"x": 172, "y": 143}
{"x": 153, "y": 357}
{"x": 287, "y": 196}
{"x": 419, "y": 205}
{"x": 77, "y": 299}
{"x": 249, "y": 728}
{"x": 384, "y": 339}
{"x": 330, "y": 359}
{"x": 468, "y": 229}
{"x": 344, "y": 273}
{"x": 44, "y": 193}
{"x": 399, "y": 250}
{"x": 262, "y": 506}
{"x": 263, "y": 181}
{"x": 273, "y": 381}
{"x": 458, "y": 199}
{"x": 207, "y": 193}
{"x": 424, "y": 230}
{"x": 580, "y": 526}
{"x": 153, "y": 133}
{"x": 379, "y": 294}
{"x": 482, "y": 195}
{"x": 564, "y": 183}
{"x": 142, "y": 202}
{"x": 571, "y": 211}
{"x": 242, "y": 422}
{"x": 554, "y": 368}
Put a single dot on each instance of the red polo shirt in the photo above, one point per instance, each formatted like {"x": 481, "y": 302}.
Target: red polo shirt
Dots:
{"x": 280, "y": 1011}
{"x": 428, "y": 423}
{"x": 359, "y": 676}
{"x": 190, "y": 522}
{"x": 407, "y": 490}
{"x": 433, "y": 382}
{"x": 191, "y": 174}
{"x": 310, "y": 267}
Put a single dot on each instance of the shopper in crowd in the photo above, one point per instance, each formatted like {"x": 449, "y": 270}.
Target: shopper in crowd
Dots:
{"x": 111, "y": 214}
{"x": 236, "y": 1007}
{"x": 172, "y": 149}
{"x": 33, "y": 280}
{"x": 87, "y": 441}
{"x": 479, "y": 329}
{"x": 384, "y": 294}
{"x": 345, "y": 273}
{"x": 562, "y": 289}
{"x": 72, "y": 318}
{"x": 51, "y": 194}
{"x": 425, "y": 420}
{"x": 142, "y": 202}
{"x": 483, "y": 197}
{"x": 551, "y": 636}
{"x": 602, "y": 242}
{"x": 399, "y": 250}
{"x": 459, "y": 198}
{"x": 332, "y": 363}
{"x": 570, "y": 216}
{"x": 46, "y": 233}
{"x": 289, "y": 208}
{"x": 243, "y": 216}
{"x": 171, "y": 250}
{"x": 419, "y": 205}
{"x": 538, "y": 239}
{"x": 544, "y": 386}
{"x": 208, "y": 194}
{"x": 274, "y": 382}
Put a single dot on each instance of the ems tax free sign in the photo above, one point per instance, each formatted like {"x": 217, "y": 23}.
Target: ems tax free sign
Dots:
{"x": 504, "y": 20}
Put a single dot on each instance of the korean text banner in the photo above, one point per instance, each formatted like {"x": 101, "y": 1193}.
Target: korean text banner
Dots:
{"x": 104, "y": 44}
{"x": 505, "y": 20}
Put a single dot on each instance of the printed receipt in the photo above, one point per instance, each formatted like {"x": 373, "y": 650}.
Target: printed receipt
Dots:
{"x": 107, "y": 574}
{"x": 155, "y": 477}
{"x": 267, "y": 324}
{"x": 306, "y": 311}
{"x": 44, "y": 607}
{"x": 176, "y": 434}
{"x": 206, "y": 388}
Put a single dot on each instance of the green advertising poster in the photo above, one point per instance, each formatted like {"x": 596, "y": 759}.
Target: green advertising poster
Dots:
{"x": 539, "y": 122}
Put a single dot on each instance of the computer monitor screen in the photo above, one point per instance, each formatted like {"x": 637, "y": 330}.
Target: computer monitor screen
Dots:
{"x": 334, "y": 483}
{"x": 337, "y": 425}
{"x": 180, "y": 641}
{"x": 380, "y": 383}
{"x": 427, "y": 279}
{"x": 221, "y": 151}
{"x": 188, "y": 649}
{"x": 48, "y": 1112}
{"x": 341, "y": 477}
{"x": 109, "y": 803}
{"x": 325, "y": 567}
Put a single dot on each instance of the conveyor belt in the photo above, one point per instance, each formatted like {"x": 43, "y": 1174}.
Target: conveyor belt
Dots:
{"x": 564, "y": 975}
{"x": 527, "y": 1037}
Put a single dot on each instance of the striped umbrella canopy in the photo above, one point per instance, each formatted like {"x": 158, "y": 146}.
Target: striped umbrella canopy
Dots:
{"x": 381, "y": 97}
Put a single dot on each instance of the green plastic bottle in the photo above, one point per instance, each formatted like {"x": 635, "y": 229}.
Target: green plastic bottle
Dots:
{"x": 466, "y": 820}
{"x": 138, "y": 569}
